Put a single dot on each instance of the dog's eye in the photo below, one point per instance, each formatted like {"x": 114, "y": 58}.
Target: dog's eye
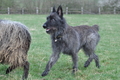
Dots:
{"x": 52, "y": 19}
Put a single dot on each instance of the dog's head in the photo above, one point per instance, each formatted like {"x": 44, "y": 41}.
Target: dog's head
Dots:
{"x": 55, "y": 21}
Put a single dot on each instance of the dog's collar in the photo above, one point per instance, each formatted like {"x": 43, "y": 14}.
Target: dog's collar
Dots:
{"x": 58, "y": 38}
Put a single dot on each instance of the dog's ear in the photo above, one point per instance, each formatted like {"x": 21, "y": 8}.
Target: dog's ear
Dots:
{"x": 60, "y": 11}
{"x": 54, "y": 10}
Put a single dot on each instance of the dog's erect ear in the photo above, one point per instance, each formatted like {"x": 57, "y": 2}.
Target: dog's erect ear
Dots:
{"x": 60, "y": 11}
{"x": 54, "y": 10}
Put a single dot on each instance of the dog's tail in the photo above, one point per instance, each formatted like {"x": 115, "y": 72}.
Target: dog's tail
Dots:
{"x": 96, "y": 27}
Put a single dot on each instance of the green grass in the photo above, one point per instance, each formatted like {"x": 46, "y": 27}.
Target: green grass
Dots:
{"x": 108, "y": 50}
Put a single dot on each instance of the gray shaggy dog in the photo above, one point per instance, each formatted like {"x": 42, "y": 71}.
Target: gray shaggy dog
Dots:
{"x": 69, "y": 40}
{"x": 15, "y": 41}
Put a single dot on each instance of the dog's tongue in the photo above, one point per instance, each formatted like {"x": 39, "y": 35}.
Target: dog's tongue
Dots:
{"x": 47, "y": 29}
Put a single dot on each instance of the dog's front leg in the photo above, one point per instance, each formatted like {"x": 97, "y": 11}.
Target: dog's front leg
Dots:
{"x": 75, "y": 62}
{"x": 54, "y": 57}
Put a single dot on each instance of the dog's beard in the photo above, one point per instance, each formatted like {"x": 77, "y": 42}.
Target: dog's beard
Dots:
{"x": 57, "y": 32}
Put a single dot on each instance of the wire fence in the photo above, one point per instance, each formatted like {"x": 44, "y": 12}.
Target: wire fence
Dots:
{"x": 66, "y": 10}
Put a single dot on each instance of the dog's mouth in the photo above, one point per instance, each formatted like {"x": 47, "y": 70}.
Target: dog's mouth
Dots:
{"x": 47, "y": 29}
{"x": 50, "y": 30}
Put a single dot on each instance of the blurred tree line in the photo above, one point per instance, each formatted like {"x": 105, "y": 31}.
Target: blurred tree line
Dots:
{"x": 45, "y": 5}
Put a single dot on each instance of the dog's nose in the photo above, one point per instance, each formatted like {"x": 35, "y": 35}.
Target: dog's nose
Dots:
{"x": 44, "y": 26}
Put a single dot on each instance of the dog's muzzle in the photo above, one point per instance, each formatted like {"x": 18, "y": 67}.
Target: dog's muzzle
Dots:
{"x": 45, "y": 27}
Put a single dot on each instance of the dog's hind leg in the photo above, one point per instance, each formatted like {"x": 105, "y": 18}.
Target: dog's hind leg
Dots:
{"x": 87, "y": 63}
{"x": 96, "y": 60}
{"x": 92, "y": 55}
{"x": 89, "y": 49}
{"x": 50, "y": 63}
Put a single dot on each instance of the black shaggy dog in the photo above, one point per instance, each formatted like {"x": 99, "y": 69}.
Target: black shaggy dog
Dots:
{"x": 69, "y": 40}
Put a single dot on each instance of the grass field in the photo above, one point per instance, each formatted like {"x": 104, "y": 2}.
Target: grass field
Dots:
{"x": 108, "y": 50}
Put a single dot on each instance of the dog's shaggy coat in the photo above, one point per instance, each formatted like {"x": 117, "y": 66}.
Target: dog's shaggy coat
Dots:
{"x": 69, "y": 40}
{"x": 15, "y": 41}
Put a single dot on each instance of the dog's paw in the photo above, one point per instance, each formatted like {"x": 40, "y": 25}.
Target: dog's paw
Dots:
{"x": 44, "y": 73}
{"x": 87, "y": 63}
{"x": 97, "y": 65}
